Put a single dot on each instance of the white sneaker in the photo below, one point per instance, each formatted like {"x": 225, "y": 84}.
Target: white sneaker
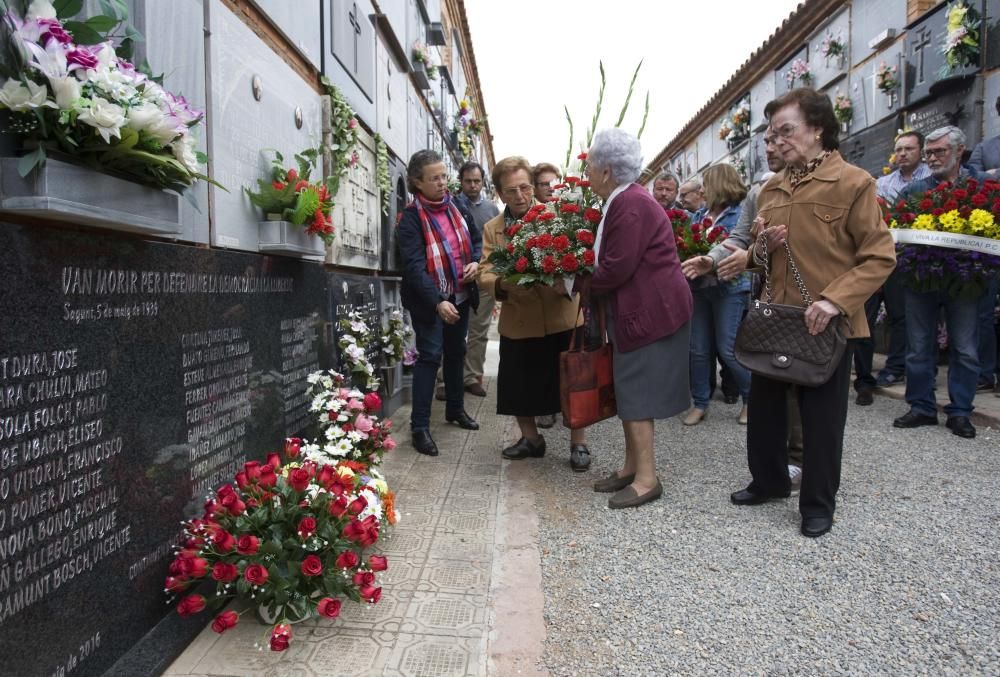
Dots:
{"x": 795, "y": 475}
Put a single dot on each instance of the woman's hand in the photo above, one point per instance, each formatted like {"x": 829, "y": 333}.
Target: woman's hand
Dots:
{"x": 448, "y": 313}
{"x": 818, "y": 315}
{"x": 696, "y": 266}
{"x": 734, "y": 264}
{"x": 470, "y": 271}
{"x": 776, "y": 236}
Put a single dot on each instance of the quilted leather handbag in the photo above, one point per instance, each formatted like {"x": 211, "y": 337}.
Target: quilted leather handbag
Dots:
{"x": 586, "y": 381}
{"x": 773, "y": 340}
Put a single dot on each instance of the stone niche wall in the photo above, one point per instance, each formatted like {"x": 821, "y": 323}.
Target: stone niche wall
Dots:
{"x": 136, "y": 377}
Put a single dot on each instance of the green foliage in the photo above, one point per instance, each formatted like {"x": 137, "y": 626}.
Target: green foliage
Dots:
{"x": 343, "y": 126}
{"x": 382, "y": 177}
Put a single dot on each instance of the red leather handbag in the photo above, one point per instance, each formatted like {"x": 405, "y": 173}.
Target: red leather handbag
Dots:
{"x": 586, "y": 381}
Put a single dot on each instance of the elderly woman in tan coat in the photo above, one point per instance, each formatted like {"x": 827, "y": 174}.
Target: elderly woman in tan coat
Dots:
{"x": 825, "y": 209}
{"x": 536, "y": 324}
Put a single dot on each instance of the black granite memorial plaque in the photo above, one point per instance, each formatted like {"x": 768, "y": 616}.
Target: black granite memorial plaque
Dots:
{"x": 925, "y": 66}
{"x": 956, "y": 107}
{"x": 134, "y": 377}
{"x": 870, "y": 148}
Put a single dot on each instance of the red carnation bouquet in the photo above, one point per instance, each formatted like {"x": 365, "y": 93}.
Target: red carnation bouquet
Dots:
{"x": 694, "y": 239}
{"x": 291, "y": 538}
{"x": 552, "y": 240}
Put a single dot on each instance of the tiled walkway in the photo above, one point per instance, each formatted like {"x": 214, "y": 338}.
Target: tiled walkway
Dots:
{"x": 432, "y": 619}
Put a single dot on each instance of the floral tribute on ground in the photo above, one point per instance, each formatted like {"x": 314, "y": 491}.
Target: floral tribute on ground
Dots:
{"x": 552, "y": 240}
{"x": 68, "y": 91}
{"x": 970, "y": 208}
{"x": 291, "y": 538}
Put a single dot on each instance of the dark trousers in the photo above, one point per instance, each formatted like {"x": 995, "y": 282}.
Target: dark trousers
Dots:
{"x": 433, "y": 340}
{"x": 824, "y": 414}
{"x": 891, "y": 294}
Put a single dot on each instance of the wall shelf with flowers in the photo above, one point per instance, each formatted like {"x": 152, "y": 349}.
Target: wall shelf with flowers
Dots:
{"x": 467, "y": 127}
{"x": 843, "y": 109}
{"x": 89, "y": 124}
{"x": 424, "y": 69}
{"x": 834, "y": 49}
{"x": 739, "y": 124}
{"x": 798, "y": 74}
{"x": 887, "y": 81}
{"x": 296, "y": 210}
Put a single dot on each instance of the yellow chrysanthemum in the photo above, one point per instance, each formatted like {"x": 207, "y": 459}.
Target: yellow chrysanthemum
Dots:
{"x": 894, "y": 224}
{"x": 951, "y": 222}
{"x": 344, "y": 471}
{"x": 923, "y": 222}
{"x": 980, "y": 221}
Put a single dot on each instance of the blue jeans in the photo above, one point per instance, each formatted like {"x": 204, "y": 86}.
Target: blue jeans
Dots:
{"x": 891, "y": 294}
{"x": 962, "y": 318}
{"x": 434, "y": 339}
{"x": 718, "y": 312}
{"x": 989, "y": 370}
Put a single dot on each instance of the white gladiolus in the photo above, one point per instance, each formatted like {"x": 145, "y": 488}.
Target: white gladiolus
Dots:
{"x": 106, "y": 117}
{"x": 18, "y": 97}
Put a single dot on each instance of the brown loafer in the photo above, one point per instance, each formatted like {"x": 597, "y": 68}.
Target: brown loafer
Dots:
{"x": 629, "y": 498}
{"x": 613, "y": 483}
{"x": 475, "y": 389}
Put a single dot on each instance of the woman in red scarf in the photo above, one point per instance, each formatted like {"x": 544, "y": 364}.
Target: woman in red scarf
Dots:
{"x": 439, "y": 247}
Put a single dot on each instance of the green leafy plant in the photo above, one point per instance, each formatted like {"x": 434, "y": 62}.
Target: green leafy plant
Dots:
{"x": 291, "y": 194}
{"x": 382, "y": 173}
{"x": 344, "y": 132}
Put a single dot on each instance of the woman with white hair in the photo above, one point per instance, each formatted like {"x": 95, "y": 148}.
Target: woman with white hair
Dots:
{"x": 648, "y": 310}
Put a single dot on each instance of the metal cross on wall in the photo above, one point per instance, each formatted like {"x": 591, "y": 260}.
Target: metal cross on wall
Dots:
{"x": 352, "y": 16}
{"x": 919, "y": 46}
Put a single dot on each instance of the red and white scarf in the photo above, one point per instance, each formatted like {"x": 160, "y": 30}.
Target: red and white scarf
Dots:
{"x": 440, "y": 261}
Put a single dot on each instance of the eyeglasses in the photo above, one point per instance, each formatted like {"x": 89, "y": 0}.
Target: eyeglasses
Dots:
{"x": 937, "y": 152}
{"x": 689, "y": 192}
{"x": 543, "y": 184}
{"x": 786, "y": 130}
{"x": 523, "y": 189}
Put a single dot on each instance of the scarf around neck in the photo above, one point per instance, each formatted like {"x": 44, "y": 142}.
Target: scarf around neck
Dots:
{"x": 434, "y": 217}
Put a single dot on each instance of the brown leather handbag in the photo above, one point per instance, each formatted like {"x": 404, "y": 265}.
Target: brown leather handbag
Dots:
{"x": 773, "y": 340}
{"x": 586, "y": 381}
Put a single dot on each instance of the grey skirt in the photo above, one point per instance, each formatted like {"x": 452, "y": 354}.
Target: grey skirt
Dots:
{"x": 653, "y": 381}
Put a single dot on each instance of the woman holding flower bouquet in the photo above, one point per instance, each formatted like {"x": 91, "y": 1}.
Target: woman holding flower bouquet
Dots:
{"x": 718, "y": 306}
{"x": 439, "y": 246}
{"x": 648, "y": 311}
{"x": 536, "y": 324}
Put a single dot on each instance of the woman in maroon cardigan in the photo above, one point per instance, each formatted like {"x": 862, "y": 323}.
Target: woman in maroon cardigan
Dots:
{"x": 648, "y": 313}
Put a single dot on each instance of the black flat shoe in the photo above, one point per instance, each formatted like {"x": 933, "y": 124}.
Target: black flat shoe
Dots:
{"x": 747, "y": 497}
{"x": 814, "y": 527}
{"x": 961, "y": 426}
{"x": 524, "y": 449}
{"x": 424, "y": 443}
{"x": 579, "y": 457}
{"x": 912, "y": 419}
{"x": 864, "y": 398}
{"x": 462, "y": 420}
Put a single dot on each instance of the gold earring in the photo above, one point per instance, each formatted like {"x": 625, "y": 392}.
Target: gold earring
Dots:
{"x": 817, "y": 137}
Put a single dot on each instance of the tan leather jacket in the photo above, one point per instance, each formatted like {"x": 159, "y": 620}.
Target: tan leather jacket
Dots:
{"x": 526, "y": 312}
{"x": 838, "y": 239}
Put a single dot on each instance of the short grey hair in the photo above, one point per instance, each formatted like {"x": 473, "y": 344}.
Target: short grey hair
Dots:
{"x": 667, "y": 175}
{"x": 956, "y": 137}
{"x": 694, "y": 183}
{"x": 619, "y": 152}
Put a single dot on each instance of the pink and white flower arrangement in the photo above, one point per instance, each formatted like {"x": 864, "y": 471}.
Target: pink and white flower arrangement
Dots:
{"x": 86, "y": 101}
{"x": 885, "y": 78}
{"x": 798, "y": 71}
{"x": 348, "y": 421}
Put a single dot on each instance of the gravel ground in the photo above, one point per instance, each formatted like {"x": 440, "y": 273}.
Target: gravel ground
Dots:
{"x": 906, "y": 583}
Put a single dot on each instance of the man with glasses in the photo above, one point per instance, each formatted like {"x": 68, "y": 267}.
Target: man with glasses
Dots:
{"x": 692, "y": 198}
{"x": 910, "y": 167}
{"x": 482, "y": 210}
{"x": 943, "y": 149}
